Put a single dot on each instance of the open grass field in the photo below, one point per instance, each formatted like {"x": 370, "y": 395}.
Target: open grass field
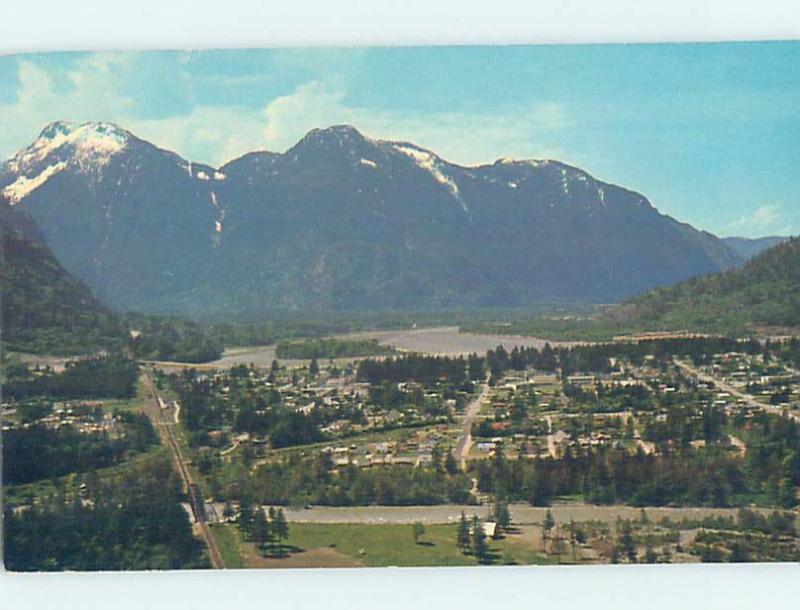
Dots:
{"x": 229, "y": 545}
{"x": 354, "y": 545}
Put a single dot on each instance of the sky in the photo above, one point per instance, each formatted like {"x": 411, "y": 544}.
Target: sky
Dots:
{"x": 710, "y": 133}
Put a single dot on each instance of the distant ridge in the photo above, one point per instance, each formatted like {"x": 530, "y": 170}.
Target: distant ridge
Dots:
{"x": 339, "y": 222}
{"x": 749, "y": 247}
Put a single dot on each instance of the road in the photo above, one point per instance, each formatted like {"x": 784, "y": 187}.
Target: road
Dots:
{"x": 165, "y": 425}
{"x": 470, "y": 413}
{"x": 551, "y": 441}
{"x": 520, "y": 513}
{"x": 749, "y": 400}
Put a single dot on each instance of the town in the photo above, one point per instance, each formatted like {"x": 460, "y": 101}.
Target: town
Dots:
{"x": 651, "y": 450}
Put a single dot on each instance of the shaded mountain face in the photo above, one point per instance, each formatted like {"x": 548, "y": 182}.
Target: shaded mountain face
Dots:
{"x": 341, "y": 222}
{"x": 42, "y": 305}
{"x": 765, "y": 292}
{"x": 748, "y": 247}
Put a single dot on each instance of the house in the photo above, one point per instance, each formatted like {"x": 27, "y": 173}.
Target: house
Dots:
{"x": 581, "y": 380}
{"x": 489, "y": 528}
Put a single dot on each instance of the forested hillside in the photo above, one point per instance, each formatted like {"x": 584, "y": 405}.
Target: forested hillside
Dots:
{"x": 44, "y": 308}
{"x": 764, "y": 293}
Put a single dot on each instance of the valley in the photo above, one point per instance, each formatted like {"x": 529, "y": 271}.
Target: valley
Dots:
{"x": 356, "y": 353}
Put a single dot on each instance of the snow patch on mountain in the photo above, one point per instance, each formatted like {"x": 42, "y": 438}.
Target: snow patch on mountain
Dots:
{"x": 368, "y": 163}
{"x": 430, "y": 162}
{"x": 23, "y": 185}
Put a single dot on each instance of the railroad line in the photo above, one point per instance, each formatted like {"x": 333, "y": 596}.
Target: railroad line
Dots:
{"x": 195, "y": 495}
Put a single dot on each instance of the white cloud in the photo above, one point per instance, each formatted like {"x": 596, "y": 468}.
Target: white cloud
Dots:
{"x": 460, "y": 137}
{"x": 208, "y": 134}
{"x": 764, "y": 217}
{"x": 770, "y": 219}
{"x": 215, "y": 134}
{"x": 39, "y": 101}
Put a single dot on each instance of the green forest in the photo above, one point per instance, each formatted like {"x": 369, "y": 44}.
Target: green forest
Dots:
{"x": 133, "y": 521}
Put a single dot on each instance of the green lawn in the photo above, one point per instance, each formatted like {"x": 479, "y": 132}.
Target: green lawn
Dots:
{"x": 393, "y": 545}
{"x": 228, "y": 542}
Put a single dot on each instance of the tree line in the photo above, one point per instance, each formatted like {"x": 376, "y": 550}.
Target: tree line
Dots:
{"x": 711, "y": 476}
{"x": 564, "y": 359}
{"x": 132, "y": 522}
{"x": 40, "y": 452}
{"x": 104, "y": 376}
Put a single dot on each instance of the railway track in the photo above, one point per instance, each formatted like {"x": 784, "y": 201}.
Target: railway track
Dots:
{"x": 195, "y": 495}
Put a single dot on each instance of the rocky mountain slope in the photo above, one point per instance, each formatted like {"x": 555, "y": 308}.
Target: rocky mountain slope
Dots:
{"x": 341, "y": 221}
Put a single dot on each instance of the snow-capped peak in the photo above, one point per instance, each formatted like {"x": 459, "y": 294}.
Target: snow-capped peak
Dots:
{"x": 89, "y": 145}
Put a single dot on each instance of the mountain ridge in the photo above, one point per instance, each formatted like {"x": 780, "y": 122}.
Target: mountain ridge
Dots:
{"x": 342, "y": 221}
{"x": 749, "y": 247}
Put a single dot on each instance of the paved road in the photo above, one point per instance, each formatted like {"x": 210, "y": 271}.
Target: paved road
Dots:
{"x": 165, "y": 425}
{"x": 520, "y": 513}
{"x": 470, "y": 413}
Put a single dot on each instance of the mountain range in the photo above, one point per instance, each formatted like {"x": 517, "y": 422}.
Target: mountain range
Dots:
{"x": 341, "y": 222}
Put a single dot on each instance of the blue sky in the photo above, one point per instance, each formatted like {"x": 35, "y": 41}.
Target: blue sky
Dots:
{"x": 710, "y": 133}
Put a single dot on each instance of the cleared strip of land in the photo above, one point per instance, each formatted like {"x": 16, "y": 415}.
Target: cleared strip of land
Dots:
{"x": 520, "y": 513}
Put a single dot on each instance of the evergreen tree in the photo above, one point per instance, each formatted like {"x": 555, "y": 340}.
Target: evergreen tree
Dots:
{"x": 261, "y": 528}
{"x": 547, "y": 525}
{"x": 417, "y": 530}
{"x": 479, "y": 546}
{"x": 462, "y": 536}
{"x": 625, "y": 540}
{"x": 450, "y": 463}
{"x": 573, "y": 539}
{"x": 281, "y": 529}
{"x": 502, "y": 514}
{"x": 246, "y": 517}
